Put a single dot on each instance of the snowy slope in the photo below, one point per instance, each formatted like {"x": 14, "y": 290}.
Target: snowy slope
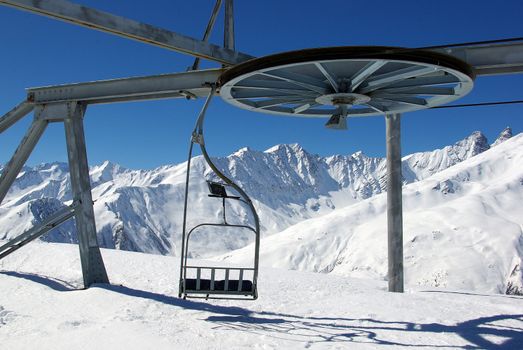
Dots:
{"x": 141, "y": 210}
{"x": 40, "y": 309}
{"x": 463, "y": 229}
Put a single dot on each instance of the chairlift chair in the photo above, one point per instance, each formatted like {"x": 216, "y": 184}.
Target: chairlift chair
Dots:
{"x": 217, "y": 282}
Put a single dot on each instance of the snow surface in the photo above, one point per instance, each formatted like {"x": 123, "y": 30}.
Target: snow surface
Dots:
{"x": 41, "y": 308}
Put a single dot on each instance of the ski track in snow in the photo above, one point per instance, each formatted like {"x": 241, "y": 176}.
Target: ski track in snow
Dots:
{"x": 42, "y": 308}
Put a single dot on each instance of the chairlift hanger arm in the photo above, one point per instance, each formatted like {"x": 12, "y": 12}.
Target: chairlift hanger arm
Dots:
{"x": 94, "y": 19}
{"x": 197, "y": 137}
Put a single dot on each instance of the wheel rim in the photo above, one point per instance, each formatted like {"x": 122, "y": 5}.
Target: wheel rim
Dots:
{"x": 353, "y": 81}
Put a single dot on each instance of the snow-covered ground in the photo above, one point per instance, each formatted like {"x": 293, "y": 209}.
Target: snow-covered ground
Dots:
{"x": 41, "y": 308}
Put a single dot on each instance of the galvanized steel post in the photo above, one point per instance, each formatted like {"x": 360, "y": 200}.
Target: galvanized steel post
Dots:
{"x": 394, "y": 203}
{"x": 93, "y": 268}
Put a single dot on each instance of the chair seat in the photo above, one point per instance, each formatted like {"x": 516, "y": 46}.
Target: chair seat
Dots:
{"x": 219, "y": 285}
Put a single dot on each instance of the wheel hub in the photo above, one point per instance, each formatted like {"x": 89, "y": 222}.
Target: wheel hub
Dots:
{"x": 343, "y": 98}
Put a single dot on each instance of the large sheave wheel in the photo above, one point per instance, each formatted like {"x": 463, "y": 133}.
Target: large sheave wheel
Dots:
{"x": 353, "y": 81}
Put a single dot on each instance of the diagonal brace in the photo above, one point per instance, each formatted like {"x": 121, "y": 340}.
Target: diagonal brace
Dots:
{"x": 13, "y": 167}
{"x": 208, "y": 30}
{"x": 47, "y": 225}
{"x": 15, "y": 115}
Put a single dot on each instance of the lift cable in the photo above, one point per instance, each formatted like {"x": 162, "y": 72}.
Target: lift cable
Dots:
{"x": 479, "y": 104}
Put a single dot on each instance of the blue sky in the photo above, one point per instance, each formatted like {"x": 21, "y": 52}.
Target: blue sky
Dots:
{"x": 38, "y": 51}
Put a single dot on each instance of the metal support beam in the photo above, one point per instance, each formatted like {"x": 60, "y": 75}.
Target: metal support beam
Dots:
{"x": 486, "y": 59}
{"x": 127, "y": 28}
{"x": 15, "y": 115}
{"x": 153, "y": 87}
{"x": 13, "y": 167}
{"x": 47, "y": 225}
{"x": 228, "y": 32}
{"x": 489, "y": 59}
{"x": 208, "y": 30}
{"x": 394, "y": 203}
{"x": 93, "y": 268}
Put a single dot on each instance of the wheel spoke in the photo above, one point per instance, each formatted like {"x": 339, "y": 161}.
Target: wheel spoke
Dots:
{"x": 267, "y": 84}
{"x": 298, "y": 92}
{"x": 387, "y": 79}
{"x": 427, "y": 81}
{"x": 329, "y": 76}
{"x": 299, "y": 80}
{"x": 413, "y": 101}
{"x": 250, "y": 94}
{"x": 376, "y": 107}
{"x": 304, "y": 107}
{"x": 278, "y": 101}
{"x": 422, "y": 90}
{"x": 364, "y": 73}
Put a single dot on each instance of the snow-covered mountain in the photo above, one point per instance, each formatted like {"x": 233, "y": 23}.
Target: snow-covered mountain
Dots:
{"x": 463, "y": 228}
{"x": 141, "y": 210}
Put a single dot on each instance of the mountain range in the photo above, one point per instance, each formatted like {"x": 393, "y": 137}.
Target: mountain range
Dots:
{"x": 141, "y": 210}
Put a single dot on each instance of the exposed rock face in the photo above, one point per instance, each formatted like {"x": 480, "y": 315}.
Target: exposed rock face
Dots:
{"x": 515, "y": 281}
{"x": 503, "y": 136}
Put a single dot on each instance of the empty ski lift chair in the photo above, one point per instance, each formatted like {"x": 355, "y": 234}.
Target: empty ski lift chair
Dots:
{"x": 217, "y": 282}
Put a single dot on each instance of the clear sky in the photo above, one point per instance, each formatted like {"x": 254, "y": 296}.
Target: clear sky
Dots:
{"x": 37, "y": 51}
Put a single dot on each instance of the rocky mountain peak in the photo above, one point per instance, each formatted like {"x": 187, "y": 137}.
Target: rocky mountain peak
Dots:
{"x": 503, "y": 136}
{"x": 474, "y": 144}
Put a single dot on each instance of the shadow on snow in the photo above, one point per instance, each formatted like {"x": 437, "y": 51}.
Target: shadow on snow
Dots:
{"x": 480, "y": 333}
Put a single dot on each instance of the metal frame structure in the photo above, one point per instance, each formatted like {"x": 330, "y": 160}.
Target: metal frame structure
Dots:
{"x": 67, "y": 104}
